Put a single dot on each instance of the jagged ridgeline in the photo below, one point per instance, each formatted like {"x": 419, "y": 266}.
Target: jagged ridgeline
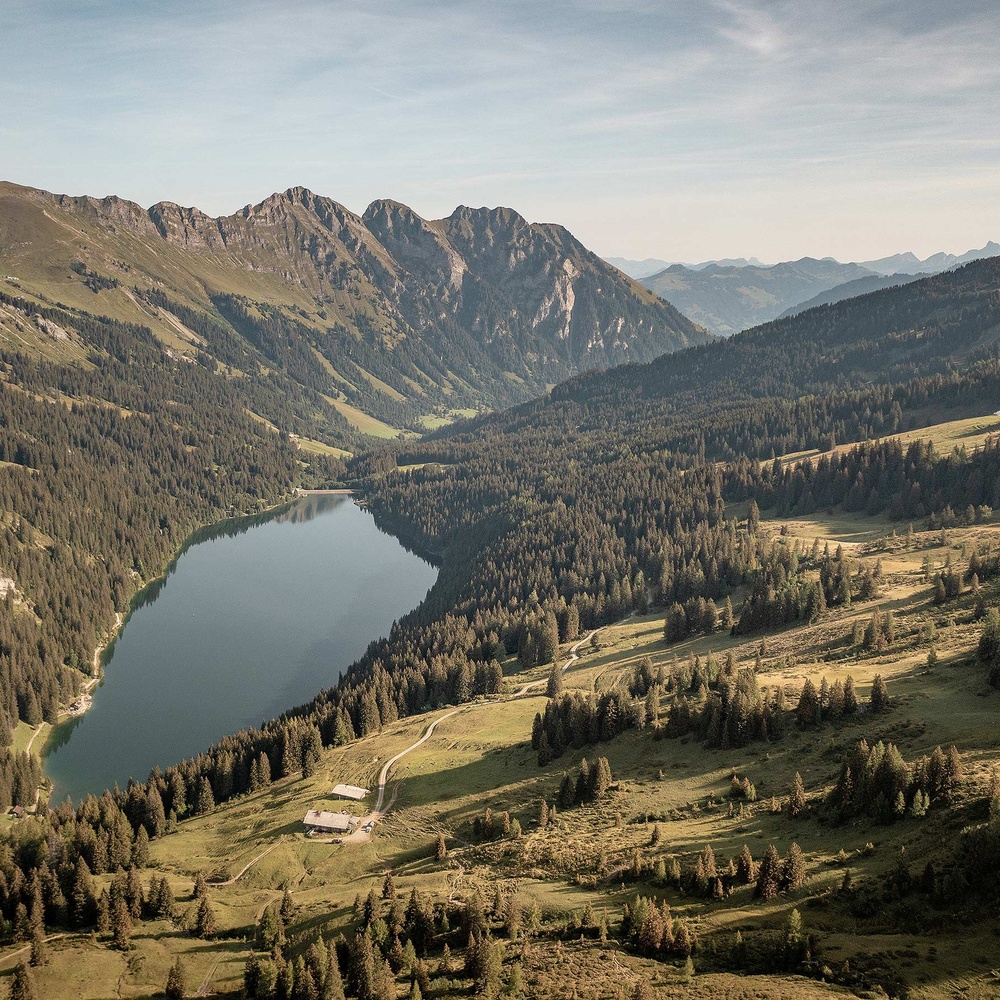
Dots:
{"x": 385, "y": 319}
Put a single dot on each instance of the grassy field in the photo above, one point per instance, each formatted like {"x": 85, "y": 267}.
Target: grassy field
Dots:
{"x": 319, "y": 448}
{"x": 481, "y": 758}
{"x": 365, "y": 423}
{"x": 432, "y": 421}
{"x": 963, "y": 432}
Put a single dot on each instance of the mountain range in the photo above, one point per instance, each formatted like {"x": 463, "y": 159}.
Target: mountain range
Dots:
{"x": 735, "y": 294}
{"x": 389, "y": 320}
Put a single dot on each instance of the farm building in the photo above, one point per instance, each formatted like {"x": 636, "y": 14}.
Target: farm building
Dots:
{"x": 318, "y": 821}
{"x": 349, "y": 792}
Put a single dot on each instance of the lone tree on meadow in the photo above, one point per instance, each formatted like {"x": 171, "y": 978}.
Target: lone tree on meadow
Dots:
{"x": 797, "y": 800}
{"x": 176, "y": 982}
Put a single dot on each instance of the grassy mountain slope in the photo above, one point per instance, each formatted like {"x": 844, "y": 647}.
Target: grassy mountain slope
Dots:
{"x": 387, "y": 313}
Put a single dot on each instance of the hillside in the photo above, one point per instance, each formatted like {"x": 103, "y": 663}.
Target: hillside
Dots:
{"x": 867, "y": 899}
{"x": 926, "y": 327}
{"x": 850, "y": 290}
{"x": 402, "y": 319}
{"x": 726, "y": 298}
{"x": 708, "y": 504}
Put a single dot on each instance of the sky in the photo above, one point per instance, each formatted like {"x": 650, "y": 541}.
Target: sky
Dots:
{"x": 678, "y": 130}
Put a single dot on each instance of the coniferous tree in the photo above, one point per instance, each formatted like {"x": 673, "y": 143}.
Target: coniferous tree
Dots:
{"x": 879, "y": 699}
{"x": 769, "y": 874}
{"x": 797, "y": 798}
{"x": 22, "y": 986}
{"x": 176, "y": 981}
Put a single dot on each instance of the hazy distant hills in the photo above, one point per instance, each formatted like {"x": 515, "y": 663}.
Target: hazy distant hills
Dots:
{"x": 850, "y": 289}
{"x": 726, "y": 299}
{"x": 640, "y": 269}
{"x": 385, "y": 313}
{"x": 726, "y": 296}
{"x": 910, "y": 263}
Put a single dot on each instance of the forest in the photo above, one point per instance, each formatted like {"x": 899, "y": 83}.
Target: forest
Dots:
{"x": 552, "y": 519}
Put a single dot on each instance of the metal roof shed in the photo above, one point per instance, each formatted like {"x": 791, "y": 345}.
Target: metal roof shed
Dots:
{"x": 350, "y": 792}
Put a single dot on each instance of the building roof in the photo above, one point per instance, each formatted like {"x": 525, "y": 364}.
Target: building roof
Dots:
{"x": 350, "y": 792}
{"x": 333, "y": 822}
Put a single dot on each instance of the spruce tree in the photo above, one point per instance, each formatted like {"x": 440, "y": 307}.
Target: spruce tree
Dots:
{"x": 206, "y": 925}
{"x": 176, "y": 981}
{"x": 879, "y": 699}
{"x": 22, "y": 986}
{"x": 793, "y": 870}
{"x": 797, "y": 799}
{"x": 769, "y": 874}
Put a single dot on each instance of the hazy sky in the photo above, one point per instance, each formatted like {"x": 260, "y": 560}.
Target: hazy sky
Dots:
{"x": 681, "y": 130}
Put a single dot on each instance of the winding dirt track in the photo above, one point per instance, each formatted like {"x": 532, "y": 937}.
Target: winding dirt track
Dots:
{"x": 249, "y": 865}
{"x": 377, "y": 813}
{"x": 574, "y": 655}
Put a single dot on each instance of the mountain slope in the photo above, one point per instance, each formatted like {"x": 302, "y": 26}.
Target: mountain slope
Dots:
{"x": 850, "y": 290}
{"x": 926, "y": 327}
{"x": 385, "y": 312}
{"x": 726, "y": 299}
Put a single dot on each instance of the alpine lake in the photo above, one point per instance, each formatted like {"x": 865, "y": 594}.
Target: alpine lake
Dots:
{"x": 255, "y": 616}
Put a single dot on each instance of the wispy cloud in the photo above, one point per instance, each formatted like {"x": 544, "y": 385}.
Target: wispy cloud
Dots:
{"x": 608, "y": 113}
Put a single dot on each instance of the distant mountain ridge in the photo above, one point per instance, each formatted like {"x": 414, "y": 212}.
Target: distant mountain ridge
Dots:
{"x": 726, "y": 296}
{"x": 386, "y": 313}
{"x": 928, "y": 327}
{"x": 851, "y": 289}
{"x": 909, "y": 262}
{"x": 727, "y": 299}
{"x": 640, "y": 269}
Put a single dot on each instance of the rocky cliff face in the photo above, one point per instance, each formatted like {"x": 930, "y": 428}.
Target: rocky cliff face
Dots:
{"x": 485, "y": 302}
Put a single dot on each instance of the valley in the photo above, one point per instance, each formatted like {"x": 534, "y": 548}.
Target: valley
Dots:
{"x": 768, "y": 564}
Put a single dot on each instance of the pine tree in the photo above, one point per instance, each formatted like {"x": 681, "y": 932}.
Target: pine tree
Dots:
{"x": 850, "y": 696}
{"x": 176, "y": 981}
{"x": 333, "y": 983}
{"x": 793, "y": 871}
{"x": 600, "y": 778}
{"x": 206, "y": 925}
{"x": 39, "y": 947}
{"x": 879, "y": 699}
{"x": 440, "y": 848}
{"x": 554, "y": 686}
{"x": 22, "y": 985}
{"x": 121, "y": 924}
{"x": 797, "y": 799}
{"x": 200, "y": 890}
{"x": 543, "y": 814}
{"x": 769, "y": 875}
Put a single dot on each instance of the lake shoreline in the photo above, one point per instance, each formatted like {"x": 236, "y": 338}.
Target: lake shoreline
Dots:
{"x": 64, "y": 766}
{"x": 83, "y": 701}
